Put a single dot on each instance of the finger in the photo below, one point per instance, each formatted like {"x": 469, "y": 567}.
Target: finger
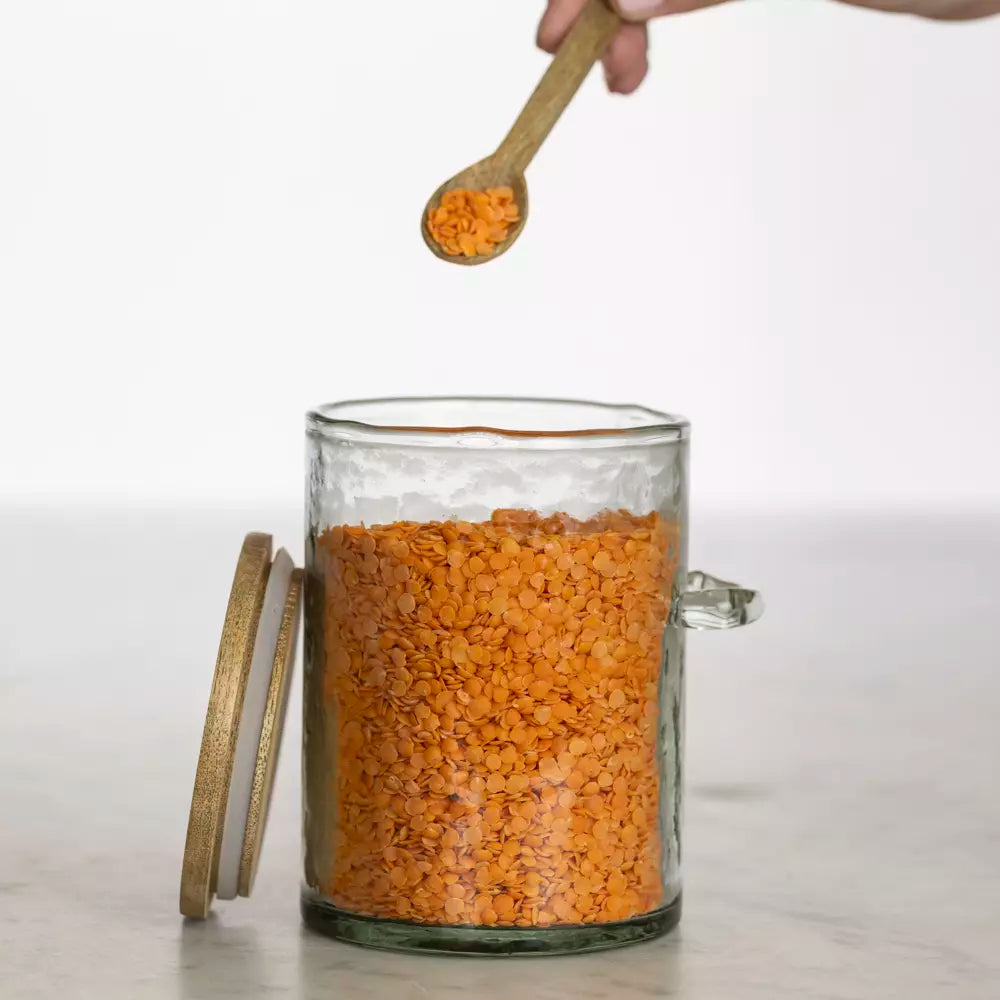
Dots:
{"x": 643, "y": 10}
{"x": 626, "y": 62}
{"x": 556, "y": 22}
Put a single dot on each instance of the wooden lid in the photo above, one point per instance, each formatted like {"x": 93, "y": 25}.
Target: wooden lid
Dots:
{"x": 242, "y": 735}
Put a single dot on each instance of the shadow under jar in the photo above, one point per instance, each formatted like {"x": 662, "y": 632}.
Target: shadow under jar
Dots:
{"x": 494, "y": 673}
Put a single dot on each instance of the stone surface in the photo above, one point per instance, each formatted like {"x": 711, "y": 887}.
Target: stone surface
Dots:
{"x": 843, "y": 823}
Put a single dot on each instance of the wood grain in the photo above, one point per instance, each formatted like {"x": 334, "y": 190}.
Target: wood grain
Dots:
{"x": 218, "y": 744}
{"x": 270, "y": 736}
{"x": 584, "y": 45}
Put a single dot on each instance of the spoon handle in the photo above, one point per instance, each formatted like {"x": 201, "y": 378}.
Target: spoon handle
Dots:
{"x": 583, "y": 46}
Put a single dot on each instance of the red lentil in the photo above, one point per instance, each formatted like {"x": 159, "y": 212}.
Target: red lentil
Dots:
{"x": 472, "y": 224}
{"x": 493, "y": 694}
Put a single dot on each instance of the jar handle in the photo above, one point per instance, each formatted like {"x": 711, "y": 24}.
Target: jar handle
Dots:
{"x": 710, "y": 603}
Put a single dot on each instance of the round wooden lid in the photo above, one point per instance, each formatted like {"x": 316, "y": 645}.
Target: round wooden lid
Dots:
{"x": 242, "y": 735}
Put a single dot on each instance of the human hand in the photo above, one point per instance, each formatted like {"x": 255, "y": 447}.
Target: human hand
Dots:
{"x": 626, "y": 64}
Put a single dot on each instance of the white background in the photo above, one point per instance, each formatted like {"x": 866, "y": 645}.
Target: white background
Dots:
{"x": 208, "y": 222}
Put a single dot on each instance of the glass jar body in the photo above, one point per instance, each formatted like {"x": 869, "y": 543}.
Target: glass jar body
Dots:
{"x": 493, "y": 702}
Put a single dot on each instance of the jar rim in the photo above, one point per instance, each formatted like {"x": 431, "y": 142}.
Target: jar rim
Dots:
{"x": 441, "y": 421}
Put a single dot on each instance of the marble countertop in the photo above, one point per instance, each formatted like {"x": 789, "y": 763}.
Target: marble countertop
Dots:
{"x": 842, "y": 837}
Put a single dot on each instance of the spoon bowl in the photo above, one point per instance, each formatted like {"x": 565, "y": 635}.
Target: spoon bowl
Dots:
{"x": 491, "y": 172}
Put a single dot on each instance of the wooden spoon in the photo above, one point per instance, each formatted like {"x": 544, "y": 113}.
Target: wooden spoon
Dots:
{"x": 583, "y": 46}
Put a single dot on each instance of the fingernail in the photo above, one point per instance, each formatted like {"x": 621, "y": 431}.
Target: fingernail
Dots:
{"x": 638, "y": 8}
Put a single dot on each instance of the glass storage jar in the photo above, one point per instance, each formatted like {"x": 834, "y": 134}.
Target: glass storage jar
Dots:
{"x": 495, "y": 597}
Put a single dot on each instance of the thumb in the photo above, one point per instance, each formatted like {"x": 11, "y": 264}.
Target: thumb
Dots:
{"x": 642, "y": 10}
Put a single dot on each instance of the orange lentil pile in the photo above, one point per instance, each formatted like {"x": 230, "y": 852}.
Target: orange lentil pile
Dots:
{"x": 472, "y": 223}
{"x": 492, "y": 692}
